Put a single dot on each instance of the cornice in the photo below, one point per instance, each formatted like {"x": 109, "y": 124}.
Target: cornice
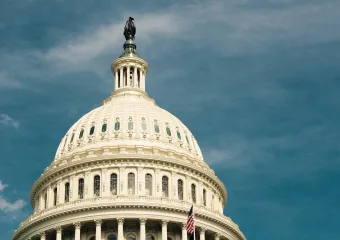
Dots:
{"x": 199, "y": 213}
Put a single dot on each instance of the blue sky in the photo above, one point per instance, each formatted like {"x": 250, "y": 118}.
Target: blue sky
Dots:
{"x": 256, "y": 82}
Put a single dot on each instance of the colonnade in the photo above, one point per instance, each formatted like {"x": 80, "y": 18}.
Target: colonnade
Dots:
{"x": 123, "y": 77}
{"x": 120, "y": 230}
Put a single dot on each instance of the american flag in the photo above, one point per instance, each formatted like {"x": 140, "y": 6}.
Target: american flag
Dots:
{"x": 191, "y": 221}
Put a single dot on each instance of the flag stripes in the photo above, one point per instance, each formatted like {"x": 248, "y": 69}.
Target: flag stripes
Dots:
{"x": 191, "y": 221}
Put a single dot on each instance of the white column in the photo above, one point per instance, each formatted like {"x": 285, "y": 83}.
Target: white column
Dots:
{"x": 98, "y": 229}
{"x": 77, "y": 230}
{"x": 120, "y": 229}
{"x": 217, "y": 236}
{"x": 135, "y": 80}
{"x": 61, "y": 192}
{"x": 59, "y": 231}
{"x": 43, "y": 236}
{"x": 202, "y": 233}
{"x": 164, "y": 230}
{"x": 42, "y": 200}
{"x": 49, "y": 196}
{"x": 184, "y": 231}
{"x": 116, "y": 79}
{"x": 121, "y": 78}
{"x": 142, "y": 80}
{"x": 58, "y": 191}
{"x": 88, "y": 187}
{"x": 142, "y": 228}
{"x": 128, "y": 76}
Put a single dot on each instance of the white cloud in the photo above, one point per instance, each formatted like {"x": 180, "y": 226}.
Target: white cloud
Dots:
{"x": 9, "y": 207}
{"x": 8, "y": 121}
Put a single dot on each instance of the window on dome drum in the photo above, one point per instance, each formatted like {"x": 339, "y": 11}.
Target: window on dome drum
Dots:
{"x": 150, "y": 237}
{"x": 143, "y": 124}
{"x": 165, "y": 186}
{"x": 131, "y": 183}
{"x": 67, "y": 192}
{"x": 81, "y": 133}
{"x": 45, "y": 200}
{"x": 65, "y": 142}
{"x": 193, "y": 192}
{"x": 96, "y": 185}
{"x": 148, "y": 184}
{"x": 91, "y": 130}
{"x": 186, "y": 137}
{"x": 179, "y": 135}
{"x": 104, "y": 126}
{"x": 113, "y": 184}
{"x": 55, "y": 191}
{"x": 81, "y": 188}
{"x": 131, "y": 237}
{"x": 112, "y": 237}
{"x": 204, "y": 197}
{"x": 156, "y": 127}
{"x": 130, "y": 124}
{"x": 180, "y": 189}
{"x": 168, "y": 131}
{"x": 72, "y": 138}
{"x": 117, "y": 125}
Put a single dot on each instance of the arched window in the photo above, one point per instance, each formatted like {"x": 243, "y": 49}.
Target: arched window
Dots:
{"x": 65, "y": 142}
{"x": 131, "y": 237}
{"x": 67, "y": 192}
{"x": 168, "y": 131}
{"x": 193, "y": 192}
{"x": 55, "y": 192}
{"x": 96, "y": 185}
{"x": 91, "y": 130}
{"x": 113, "y": 184}
{"x": 204, "y": 197}
{"x": 180, "y": 189}
{"x": 81, "y": 133}
{"x": 156, "y": 127}
{"x": 117, "y": 125}
{"x": 179, "y": 135}
{"x": 130, "y": 124}
{"x": 186, "y": 137}
{"x": 112, "y": 237}
{"x": 104, "y": 127}
{"x": 143, "y": 125}
{"x": 148, "y": 184}
{"x": 45, "y": 200}
{"x": 131, "y": 183}
{"x": 81, "y": 188}
{"x": 150, "y": 237}
{"x": 165, "y": 186}
{"x": 72, "y": 137}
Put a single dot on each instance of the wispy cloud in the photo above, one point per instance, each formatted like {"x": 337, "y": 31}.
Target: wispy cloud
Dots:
{"x": 8, "y": 121}
{"x": 7, "y": 206}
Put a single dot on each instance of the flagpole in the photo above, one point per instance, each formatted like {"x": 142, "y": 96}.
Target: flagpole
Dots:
{"x": 193, "y": 212}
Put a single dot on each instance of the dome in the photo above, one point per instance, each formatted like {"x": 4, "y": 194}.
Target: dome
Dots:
{"x": 129, "y": 119}
{"x": 128, "y": 170}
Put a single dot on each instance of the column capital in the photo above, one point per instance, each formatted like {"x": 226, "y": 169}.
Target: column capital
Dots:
{"x": 42, "y": 235}
{"x": 184, "y": 225}
{"x": 77, "y": 224}
{"x": 202, "y": 230}
{"x": 143, "y": 221}
{"x": 164, "y": 222}
{"x": 217, "y": 236}
{"x": 98, "y": 222}
{"x": 58, "y": 229}
{"x": 120, "y": 221}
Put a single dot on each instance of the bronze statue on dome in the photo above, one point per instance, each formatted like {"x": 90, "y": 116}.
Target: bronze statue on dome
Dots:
{"x": 130, "y": 29}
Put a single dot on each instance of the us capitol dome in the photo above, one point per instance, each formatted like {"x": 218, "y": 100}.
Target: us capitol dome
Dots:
{"x": 128, "y": 170}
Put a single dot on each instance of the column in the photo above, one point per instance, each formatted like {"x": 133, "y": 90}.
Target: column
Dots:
{"x": 61, "y": 192}
{"x": 98, "y": 229}
{"x": 142, "y": 228}
{"x": 49, "y": 196}
{"x": 184, "y": 231}
{"x": 217, "y": 236}
{"x": 135, "y": 80}
{"x": 43, "y": 236}
{"x": 142, "y": 80}
{"x": 88, "y": 186}
{"x": 121, "y": 77}
{"x": 77, "y": 230}
{"x": 120, "y": 229}
{"x": 128, "y": 76}
{"x": 202, "y": 233}
{"x": 116, "y": 79}
{"x": 164, "y": 230}
{"x": 59, "y": 231}
{"x": 42, "y": 200}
